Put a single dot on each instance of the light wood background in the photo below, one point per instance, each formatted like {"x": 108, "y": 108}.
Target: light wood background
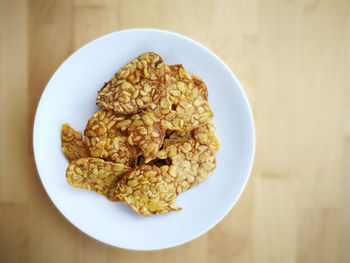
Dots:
{"x": 293, "y": 59}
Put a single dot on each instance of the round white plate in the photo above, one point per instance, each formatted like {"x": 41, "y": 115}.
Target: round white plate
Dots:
{"x": 70, "y": 96}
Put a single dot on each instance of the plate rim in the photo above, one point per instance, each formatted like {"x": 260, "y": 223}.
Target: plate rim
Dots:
{"x": 251, "y": 122}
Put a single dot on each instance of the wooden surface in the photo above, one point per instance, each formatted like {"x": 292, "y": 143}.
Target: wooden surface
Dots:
{"x": 293, "y": 59}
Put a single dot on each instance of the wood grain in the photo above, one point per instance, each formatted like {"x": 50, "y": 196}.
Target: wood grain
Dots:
{"x": 293, "y": 59}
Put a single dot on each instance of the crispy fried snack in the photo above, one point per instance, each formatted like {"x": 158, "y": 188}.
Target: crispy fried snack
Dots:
{"x": 121, "y": 138}
{"x": 177, "y": 136}
{"x": 205, "y": 134}
{"x": 106, "y": 140}
{"x": 147, "y": 190}
{"x": 73, "y": 146}
{"x": 183, "y": 106}
{"x": 94, "y": 174}
{"x": 96, "y": 131}
{"x": 152, "y": 109}
{"x": 111, "y": 192}
{"x": 190, "y": 162}
{"x": 198, "y": 82}
{"x": 136, "y": 85}
{"x": 118, "y": 150}
{"x": 145, "y": 132}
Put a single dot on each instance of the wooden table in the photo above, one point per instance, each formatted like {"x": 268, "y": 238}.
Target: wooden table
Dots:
{"x": 293, "y": 60}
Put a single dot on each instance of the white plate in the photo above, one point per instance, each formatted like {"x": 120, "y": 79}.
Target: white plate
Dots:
{"x": 70, "y": 96}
